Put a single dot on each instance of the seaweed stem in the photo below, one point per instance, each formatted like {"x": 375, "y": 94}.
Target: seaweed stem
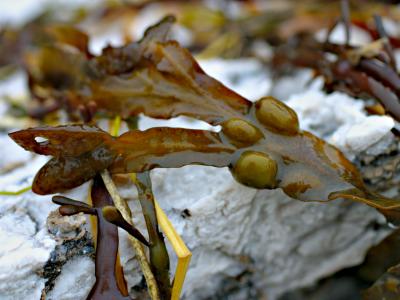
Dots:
{"x": 15, "y": 193}
{"x": 112, "y": 215}
{"x": 344, "y": 4}
{"x": 386, "y": 44}
{"x": 159, "y": 259}
{"x": 123, "y": 207}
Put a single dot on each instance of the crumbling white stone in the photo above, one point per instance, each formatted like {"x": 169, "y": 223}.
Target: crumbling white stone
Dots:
{"x": 372, "y": 134}
{"x": 338, "y": 35}
{"x": 231, "y": 228}
{"x": 24, "y": 249}
{"x": 75, "y": 281}
{"x": 248, "y": 76}
{"x": 342, "y": 121}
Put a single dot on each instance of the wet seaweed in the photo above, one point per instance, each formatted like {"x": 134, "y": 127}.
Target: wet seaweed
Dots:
{"x": 110, "y": 282}
{"x": 260, "y": 142}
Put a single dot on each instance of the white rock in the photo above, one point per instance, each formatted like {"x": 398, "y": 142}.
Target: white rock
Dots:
{"x": 286, "y": 86}
{"x": 203, "y": 282}
{"x": 357, "y": 35}
{"x": 178, "y": 122}
{"x": 109, "y": 36}
{"x": 23, "y": 252}
{"x": 25, "y": 245}
{"x": 323, "y": 113}
{"x": 358, "y": 137}
{"x": 14, "y": 86}
{"x": 391, "y": 26}
{"x": 286, "y": 239}
{"x": 248, "y": 76}
{"x": 342, "y": 121}
{"x": 132, "y": 272}
{"x": 14, "y": 154}
{"x": 19, "y": 12}
{"x": 115, "y": 33}
{"x": 75, "y": 280}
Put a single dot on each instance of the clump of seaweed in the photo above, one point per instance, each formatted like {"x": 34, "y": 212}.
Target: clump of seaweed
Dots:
{"x": 110, "y": 283}
{"x": 263, "y": 136}
{"x": 260, "y": 142}
{"x": 367, "y": 71}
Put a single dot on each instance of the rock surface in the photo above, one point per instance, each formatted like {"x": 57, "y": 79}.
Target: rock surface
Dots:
{"x": 280, "y": 242}
{"x": 75, "y": 281}
{"x": 25, "y": 244}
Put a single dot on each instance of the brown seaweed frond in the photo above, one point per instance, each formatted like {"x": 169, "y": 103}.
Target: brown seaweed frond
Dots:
{"x": 261, "y": 142}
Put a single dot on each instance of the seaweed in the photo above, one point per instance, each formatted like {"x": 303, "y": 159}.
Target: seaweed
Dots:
{"x": 18, "y": 45}
{"x": 367, "y": 71}
{"x": 110, "y": 283}
{"x": 159, "y": 259}
{"x": 260, "y": 142}
{"x": 153, "y": 76}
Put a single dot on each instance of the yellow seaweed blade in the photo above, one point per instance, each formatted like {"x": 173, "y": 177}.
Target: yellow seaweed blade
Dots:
{"x": 181, "y": 250}
{"x": 183, "y": 253}
{"x": 114, "y": 130}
